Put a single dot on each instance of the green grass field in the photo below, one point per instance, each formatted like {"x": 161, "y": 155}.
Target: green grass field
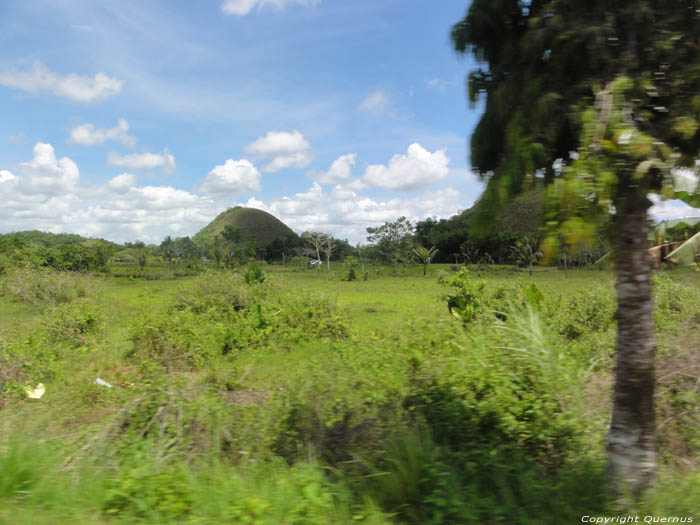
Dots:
{"x": 309, "y": 399}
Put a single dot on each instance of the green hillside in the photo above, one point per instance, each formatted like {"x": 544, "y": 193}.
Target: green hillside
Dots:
{"x": 524, "y": 213}
{"x": 251, "y": 223}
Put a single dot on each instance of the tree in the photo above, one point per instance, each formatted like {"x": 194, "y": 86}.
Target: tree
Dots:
{"x": 319, "y": 243}
{"x": 231, "y": 238}
{"x": 394, "y": 240}
{"x": 166, "y": 249}
{"x": 425, "y": 255}
{"x": 140, "y": 253}
{"x": 599, "y": 99}
{"x": 526, "y": 251}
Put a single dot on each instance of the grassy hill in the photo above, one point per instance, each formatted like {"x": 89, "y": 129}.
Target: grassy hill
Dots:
{"x": 251, "y": 223}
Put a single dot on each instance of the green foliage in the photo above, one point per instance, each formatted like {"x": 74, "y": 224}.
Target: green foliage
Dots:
{"x": 77, "y": 323}
{"x": 532, "y": 296}
{"x": 264, "y": 404}
{"x": 46, "y": 287}
{"x": 139, "y": 492}
{"x": 254, "y": 274}
{"x": 538, "y": 109}
{"x": 465, "y": 301}
{"x": 394, "y": 240}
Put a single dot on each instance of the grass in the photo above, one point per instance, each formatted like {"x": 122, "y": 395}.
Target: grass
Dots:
{"x": 309, "y": 399}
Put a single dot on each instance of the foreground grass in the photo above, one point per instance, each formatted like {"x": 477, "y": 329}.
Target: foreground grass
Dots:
{"x": 312, "y": 400}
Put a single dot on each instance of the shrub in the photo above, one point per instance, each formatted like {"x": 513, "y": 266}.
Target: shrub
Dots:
{"x": 76, "y": 323}
{"x": 254, "y": 275}
{"x": 465, "y": 301}
{"x": 47, "y": 287}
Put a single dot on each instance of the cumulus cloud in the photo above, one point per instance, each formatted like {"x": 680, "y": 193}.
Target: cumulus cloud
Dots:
{"x": 374, "y": 103}
{"x": 286, "y": 150}
{"x": 418, "y": 168}
{"x": 347, "y": 214}
{"x": 340, "y": 170}
{"x": 75, "y": 87}
{"x": 47, "y": 175}
{"x": 143, "y": 161}
{"x": 87, "y": 135}
{"x": 122, "y": 182}
{"x": 45, "y": 193}
{"x": 243, "y": 7}
{"x": 232, "y": 178}
{"x": 7, "y": 177}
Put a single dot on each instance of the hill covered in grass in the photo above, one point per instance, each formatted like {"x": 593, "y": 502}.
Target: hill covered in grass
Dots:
{"x": 264, "y": 227}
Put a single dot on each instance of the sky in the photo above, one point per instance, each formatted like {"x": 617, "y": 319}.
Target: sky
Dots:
{"x": 133, "y": 120}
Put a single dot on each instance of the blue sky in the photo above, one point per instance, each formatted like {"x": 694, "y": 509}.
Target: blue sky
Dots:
{"x": 140, "y": 119}
{"x": 135, "y": 120}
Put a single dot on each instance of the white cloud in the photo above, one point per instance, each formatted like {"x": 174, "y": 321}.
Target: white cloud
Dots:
{"x": 288, "y": 150}
{"x": 122, "y": 182}
{"x": 340, "y": 170}
{"x": 45, "y": 194}
{"x": 374, "y": 103}
{"x": 279, "y": 143}
{"x": 243, "y": 7}
{"x": 7, "y": 177}
{"x": 232, "y": 178}
{"x": 416, "y": 169}
{"x": 87, "y": 135}
{"x": 72, "y": 86}
{"x": 297, "y": 160}
{"x": 46, "y": 175}
{"x": 347, "y": 214}
{"x": 143, "y": 161}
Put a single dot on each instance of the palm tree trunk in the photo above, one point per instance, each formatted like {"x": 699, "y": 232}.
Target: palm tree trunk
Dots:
{"x": 632, "y": 434}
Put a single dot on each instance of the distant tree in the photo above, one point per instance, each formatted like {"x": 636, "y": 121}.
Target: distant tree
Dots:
{"x": 394, "y": 240}
{"x": 167, "y": 251}
{"x": 140, "y": 253}
{"x": 283, "y": 249}
{"x": 425, "y": 255}
{"x": 328, "y": 246}
{"x": 526, "y": 251}
{"x": 616, "y": 83}
{"x": 319, "y": 243}
{"x": 231, "y": 239}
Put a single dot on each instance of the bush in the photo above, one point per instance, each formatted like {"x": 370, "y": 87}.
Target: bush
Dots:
{"x": 465, "y": 301}
{"x": 254, "y": 275}
{"x": 47, "y": 287}
{"x": 77, "y": 322}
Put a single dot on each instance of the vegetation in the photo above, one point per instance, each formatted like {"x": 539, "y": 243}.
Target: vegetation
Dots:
{"x": 611, "y": 83}
{"x": 276, "y": 396}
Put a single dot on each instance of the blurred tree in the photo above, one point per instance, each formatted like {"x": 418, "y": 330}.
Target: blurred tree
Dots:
{"x": 526, "y": 251}
{"x": 601, "y": 99}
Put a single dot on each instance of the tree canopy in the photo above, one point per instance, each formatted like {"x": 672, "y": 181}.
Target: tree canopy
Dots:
{"x": 600, "y": 99}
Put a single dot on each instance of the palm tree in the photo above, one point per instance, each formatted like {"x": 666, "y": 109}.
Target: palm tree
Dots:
{"x": 425, "y": 255}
